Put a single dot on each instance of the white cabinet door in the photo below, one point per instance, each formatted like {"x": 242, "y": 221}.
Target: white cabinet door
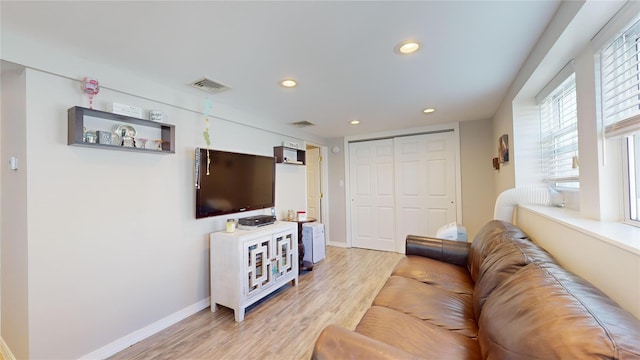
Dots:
{"x": 259, "y": 264}
{"x": 372, "y": 194}
{"x": 284, "y": 254}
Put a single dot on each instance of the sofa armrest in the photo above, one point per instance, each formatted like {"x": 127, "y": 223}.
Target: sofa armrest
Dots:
{"x": 450, "y": 251}
{"x": 336, "y": 342}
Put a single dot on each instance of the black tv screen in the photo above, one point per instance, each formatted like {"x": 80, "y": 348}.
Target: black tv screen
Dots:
{"x": 236, "y": 182}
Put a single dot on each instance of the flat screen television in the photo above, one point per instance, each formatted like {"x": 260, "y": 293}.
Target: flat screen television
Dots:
{"x": 236, "y": 182}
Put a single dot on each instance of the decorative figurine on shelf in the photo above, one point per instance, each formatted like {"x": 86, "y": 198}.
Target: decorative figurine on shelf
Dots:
{"x": 116, "y": 139}
{"x": 90, "y": 137}
{"x": 142, "y": 143}
{"x": 128, "y": 141}
{"x": 158, "y": 144}
{"x": 91, "y": 87}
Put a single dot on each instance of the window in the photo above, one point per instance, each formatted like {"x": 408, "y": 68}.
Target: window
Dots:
{"x": 620, "y": 94}
{"x": 632, "y": 178}
{"x": 559, "y": 134}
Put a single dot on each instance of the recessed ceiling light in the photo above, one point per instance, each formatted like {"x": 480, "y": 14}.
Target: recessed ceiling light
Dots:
{"x": 408, "y": 47}
{"x": 288, "y": 83}
{"x": 354, "y": 122}
{"x": 428, "y": 110}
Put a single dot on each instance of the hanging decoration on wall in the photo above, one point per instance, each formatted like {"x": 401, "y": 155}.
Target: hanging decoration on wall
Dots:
{"x": 205, "y": 133}
{"x": 503, "y": 148}
{"x": 91, "y": 87}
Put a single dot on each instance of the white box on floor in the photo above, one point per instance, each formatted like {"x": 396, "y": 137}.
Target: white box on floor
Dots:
{"x": 313, "y": 241}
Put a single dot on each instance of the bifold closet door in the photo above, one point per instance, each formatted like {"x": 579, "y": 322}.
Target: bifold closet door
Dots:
{"x": 401, "y": 186}
{"x": 372, "y": 195}
{"x": 425, "y": 178}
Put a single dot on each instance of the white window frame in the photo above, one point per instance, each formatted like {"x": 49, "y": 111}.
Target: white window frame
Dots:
{"x": 630, "y": 175}
{"x": 622, "y": 65}
{"x": 560, "y": 166}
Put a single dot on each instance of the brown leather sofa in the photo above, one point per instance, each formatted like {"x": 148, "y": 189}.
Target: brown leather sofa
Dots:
{"x": 500, "y": 297}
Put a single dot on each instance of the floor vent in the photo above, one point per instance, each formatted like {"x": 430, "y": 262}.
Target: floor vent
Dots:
{"x": 302, "y": 124}
{"x": 210, "y": 86}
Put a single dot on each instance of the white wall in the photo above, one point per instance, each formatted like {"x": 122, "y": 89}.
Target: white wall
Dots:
{"x": 566, "y": 38}
{"x": 291, "y": 181}
{"x": 14, "y": 248}
{"x": 337, "y": 200}
{"x": 503, "y": 124}
{"x": 504, "y": 121}
{"x": 477, "y": 149}
{"x": 113, "y": 243}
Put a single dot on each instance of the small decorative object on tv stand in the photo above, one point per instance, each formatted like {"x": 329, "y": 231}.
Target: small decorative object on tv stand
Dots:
{"x": 107, "y": 121}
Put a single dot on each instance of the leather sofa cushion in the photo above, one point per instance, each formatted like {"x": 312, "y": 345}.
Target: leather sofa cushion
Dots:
{"x": 491, "y": 235}
{"x": 431, "y": 304}
{"x": 410, "y": 334}
{"x": 336, "y": 342}
{"x": 546, "y": 312}
{"x": 436, "y": 273}
{"x": 505, "y": 260}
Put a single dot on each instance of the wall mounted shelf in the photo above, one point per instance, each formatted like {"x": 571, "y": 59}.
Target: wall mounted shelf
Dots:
{"x": 80, "y": 118}
{"x": 287, "y": 155}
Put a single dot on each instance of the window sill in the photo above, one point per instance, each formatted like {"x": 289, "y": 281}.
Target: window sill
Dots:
{"x": 622, "y": 235}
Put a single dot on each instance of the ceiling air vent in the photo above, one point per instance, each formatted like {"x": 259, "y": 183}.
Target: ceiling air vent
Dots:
{"x": 302, "y": 124}
{"x": 210, "y": 86}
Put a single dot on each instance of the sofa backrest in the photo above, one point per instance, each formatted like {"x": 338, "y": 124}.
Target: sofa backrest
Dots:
{"x": 488, "y": 238}
{"x": 505, "y": 260}
{"x": 546, "y": 312}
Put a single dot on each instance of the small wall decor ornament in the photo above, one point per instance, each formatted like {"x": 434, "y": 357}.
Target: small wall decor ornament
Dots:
{"x": 503, "y": 148}
{"x": 205, "y": 133}
{"x": 91, "y": 87}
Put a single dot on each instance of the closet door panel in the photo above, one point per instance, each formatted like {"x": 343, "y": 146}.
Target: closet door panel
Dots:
{"x": 372, "y": 195}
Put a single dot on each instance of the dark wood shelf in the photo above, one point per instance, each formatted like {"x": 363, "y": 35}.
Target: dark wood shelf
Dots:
{"x": 285, "y": 155}
{"x": 76, "y": 123}
{"x": 120, "y": 148}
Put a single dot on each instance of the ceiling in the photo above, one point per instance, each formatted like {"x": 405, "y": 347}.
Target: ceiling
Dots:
{"x": 340, "y": 52}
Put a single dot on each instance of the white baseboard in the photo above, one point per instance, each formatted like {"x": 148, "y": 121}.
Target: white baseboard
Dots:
{"x": 5, "y": 351}
{"x": 139, "y": 335}
{"x": 341, "y": 245}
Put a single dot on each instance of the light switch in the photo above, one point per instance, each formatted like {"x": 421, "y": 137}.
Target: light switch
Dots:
{"x": 13, "y": 163}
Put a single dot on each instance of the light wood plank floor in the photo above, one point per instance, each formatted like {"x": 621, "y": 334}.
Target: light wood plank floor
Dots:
{"x": 285, "y": 325}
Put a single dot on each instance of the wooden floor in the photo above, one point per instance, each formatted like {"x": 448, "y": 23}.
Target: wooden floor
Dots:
{"x": 285, "y": 325}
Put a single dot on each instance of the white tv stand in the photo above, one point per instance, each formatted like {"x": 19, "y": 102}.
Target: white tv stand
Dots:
{"x": 247, "y": 265}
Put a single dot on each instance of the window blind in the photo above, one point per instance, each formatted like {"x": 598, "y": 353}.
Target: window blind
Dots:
{"x": 620, "y": 82}
{"x": 559, "y": 132}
